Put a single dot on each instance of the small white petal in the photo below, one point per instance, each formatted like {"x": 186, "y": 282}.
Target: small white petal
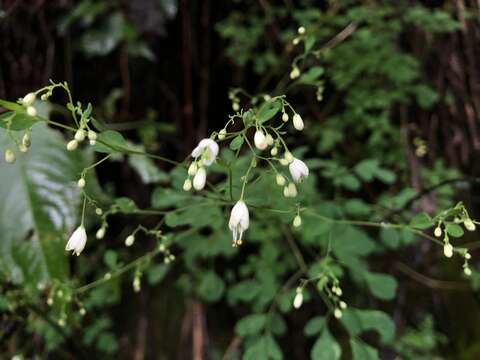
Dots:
{"x": 298, "y": 170}
{"x": 200, "y": 179}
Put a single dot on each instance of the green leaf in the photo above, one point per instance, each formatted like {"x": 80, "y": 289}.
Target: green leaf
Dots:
{"x": 390, "y": 237}
{"x": 454, "y": 230}
{"x": 325, "y": 348}
{"x": 357, "y": 321}
{"x": 110, "y": 142}
{"x": 211, "y": 287}
{"x": 362, "y": 351}
{"x": 251, "y": 324}
{"x": 314, "y": 326}
{"x": 421, "y": 221}
{"x": 236, "y": 143}
{"x": 264, "y": 348}
{"x": 366, "y": 169}
{"x": 268, "y": 110}
{"x": 125, "y": 205}
{"x": 310, "y": 77}
{"x": 17, "y": 120}
{"x": 383, "y": 286}
{"x": 11, "y": 106}
{"x": 156, "y": 273}
{"x": 40, "y": 202}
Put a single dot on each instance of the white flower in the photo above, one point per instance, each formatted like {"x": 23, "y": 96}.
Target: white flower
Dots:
{"x": 239, "y": 221}
{"x": 31, "y": 111}
{"x": 298, "y": 300}
{"x": 208, "y": 150}
{"x": 200, "y": 179}
{"x": 295, "y": 73}
{"x": 297, "y": 221}
{"x": 79, "y": 135}
{"x": 469, "y": 225}
{"x": 337, "y": 313}
{"x": 260, "y": 140}
{"x": 77, "y": 241}
{"x": 72, "y": 145}
{"x": 298, "y": 170}
{"x": 448, "y": 250}
{"x": 29, "y": 99}
{"x": 284, "y": 117}
{"x": 81, "y": 183}
{"x": 129, "y": 240}
{"x": 301, "y": 30}
{"x": 438, "y": 231}
{"x": 187, "y": 185}
{"x": 298, "y": 122}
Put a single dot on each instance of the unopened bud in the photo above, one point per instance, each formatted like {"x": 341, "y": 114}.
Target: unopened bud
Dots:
{"x": 280, "y": 180}
{"x": 301, "y": 30}
{"x": 31, "y": 111}
{"x": 100, "y": 233}
{"x": 81, "y": 183}
{"x": 92, "y": 135}
{"x": 285, "y": 117}
{"x": 192, "y": 169}
{"x": 469, "y": 225}
{"x": 274, "y": 151}
{"x": 129, "y": 240}
{"x": 187, "y": 185}
{"x": 222, "y": 133}
{"x": 337, "y": 313}
{"x": 72, "y": 145}
{"x": 448, "y": 250}
{"x": 295, "y": 73}
{"x": 298, "y": 122}
{"x": 79, "y": 135}
{"x": 437, "y": 232}
{"x": 9, "y": 156}
{"x": 28, "y": 99}
{"x": 297, "y": 221}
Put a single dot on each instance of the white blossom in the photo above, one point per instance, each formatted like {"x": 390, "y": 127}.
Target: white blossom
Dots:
{"x": 298, "y": 122}
{"x": 31, "y": 111}
{"x": 239, "y": 221}
{"x": 29, "y": 99}
{"x": 200, "y": 179}
{"x": 298, "y": 170}
{"x": 298, "y": 300}
{"x": 207, "y": 149}
{"x": 77, "y": 241}
{"x": 260, "y": 140}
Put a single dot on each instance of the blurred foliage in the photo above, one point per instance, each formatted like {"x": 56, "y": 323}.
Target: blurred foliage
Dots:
{"x": 357, "y": 82}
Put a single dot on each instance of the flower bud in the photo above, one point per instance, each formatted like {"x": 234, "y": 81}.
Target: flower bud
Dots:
{"x": 269, "y": 139}
{"x": 298, "y": 122}
{"x": 222, "y": 133}
{"x": 92, "y": 142}
{"x": 297, "y": 221}
{"x": 100, "y": 233}
{"x": 22, "y": 148}
{"x": 274, "y": 151}
{"x": 72, "y": 145}
{"x": 448, "y": 250}
{"x": 26, "y": 139}
{"x": 280, "y": 180}
{"x": 81, "y": 183}
{"x": 301, "y": 30}
{"x": 285, "y": 117}
{"x": 235, "y": 106}
{"x": 31, "y": 111}
{"x": 467, "y": 271}
{"x": 28, "y": 99}
{"x": 337, "y": 313}
{"x": 469, "y": 225}
{"x": 296, "y": 41}
{"x": 79, "y": 135}
{"x": 295, "y": 73}
{"x": 9, "y": 156}
{"x": 92, "y": 135}
{"x": 437, "y": 232}
{"x": 98, "y": 211}
{"x": 129, "y": 240}
{"x": 187, "y": 185}
{"x": 298, "y": 300}
{"x": 343, "y": 305}
{"x": 200, "y": 179}
{"x": 283, "y": 162}
{"x": 292, "y": 190}
{"x": 260, "y": 140}
{"x": 288, "y": 157}
{"x": 192, "y": 169}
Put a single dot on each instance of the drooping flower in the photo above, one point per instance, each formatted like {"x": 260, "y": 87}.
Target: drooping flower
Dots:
{"x": 207, "y": 149}
{"x": 239, "y": 221}
{"x": 298, "y": 170}
{"x": 298, "y": 122}
{"x": 200, "y": 179}
{"x": 77, "y": 241}
{"x": 298, "y": 299}
{"x": 260, "y": 140}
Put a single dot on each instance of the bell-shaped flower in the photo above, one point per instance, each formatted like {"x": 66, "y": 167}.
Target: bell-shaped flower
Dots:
{"x": 298, "y": 170}
{"x": 77, "y": 241}
{"x": 260, "y": 140}
{"x": 200, "y": 179}
{"x": 207, "y": 149}
{"x": 239, "y": 221}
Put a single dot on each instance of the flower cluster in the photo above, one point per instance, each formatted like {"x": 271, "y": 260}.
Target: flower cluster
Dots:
{"x": 204, "y": 155}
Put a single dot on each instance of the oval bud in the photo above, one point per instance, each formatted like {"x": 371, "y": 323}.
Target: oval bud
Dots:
{"x": 187, "y": 185}
{"x": 79, "y": 135}
{"x": 260, "y": 140}
{"x": 285, "y": 117}
{"x": 9, "y": 156}
{"x": 298, "y": 122}
{"x": 222, "y": 134}
{"x": 31, "y": 111}
{"x": 81, "y": 183}
{"x": 72, "y": 145}
{"x": 29, "y": 99}
{"x": 280, "y": 180}
{"x": 129, "y": 240}
{"x": 297, "y": 221}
